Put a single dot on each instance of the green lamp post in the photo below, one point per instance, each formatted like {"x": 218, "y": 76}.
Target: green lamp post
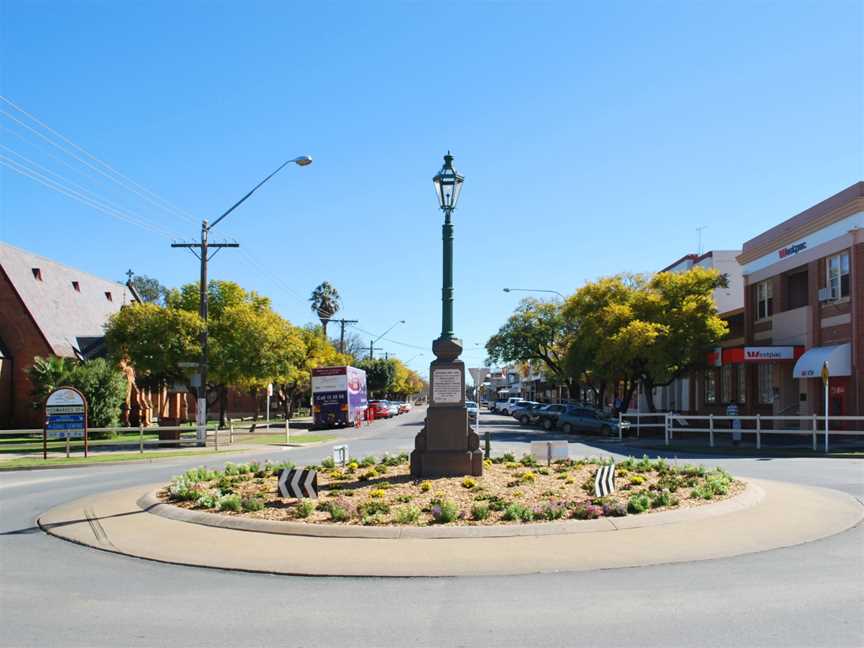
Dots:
{"x": 448, "y": 185}
{"x": 446, "y": 446}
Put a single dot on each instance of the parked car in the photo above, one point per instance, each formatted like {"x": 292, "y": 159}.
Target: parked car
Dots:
{"x": 548, "y": 416}
{"x": 472, "y": 408}
{"x": 381, "y": 408}
{"x": 585, "y": 419}
{"x": 526, "y": 412}
{"x": 404, "y": 408}
{"x": 505, "y": 406}
{"x": 394, "y": 408}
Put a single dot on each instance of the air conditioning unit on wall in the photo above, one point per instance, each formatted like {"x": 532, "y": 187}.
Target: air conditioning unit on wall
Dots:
{"x": 826, "y": 294}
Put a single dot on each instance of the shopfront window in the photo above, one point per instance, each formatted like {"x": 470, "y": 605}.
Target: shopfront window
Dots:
{"x": 741, "y": 383}
{"x": 710, "y": 386}
{"x": 726, "y": 384}
{"x": 764, "y": 300}
{"x": 838, "y": 275}
{"x": 766, "y": 384}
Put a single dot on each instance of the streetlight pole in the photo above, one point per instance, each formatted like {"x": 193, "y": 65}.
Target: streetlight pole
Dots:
{"x": 372, "y": 342}
{"x": 202, "y": 251}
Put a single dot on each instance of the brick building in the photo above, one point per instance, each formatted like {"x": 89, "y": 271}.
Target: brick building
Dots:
{"x": 804, "y": 305}
{"x": 47, "y": 309}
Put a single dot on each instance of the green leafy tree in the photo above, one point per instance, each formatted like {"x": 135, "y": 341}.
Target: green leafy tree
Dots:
{"x": 380, "y": 374}
{"x": 325, "y": 303}
{"x": 155, "y": 339}
{"x": 535, "y": 333}
{"x": 102, "y": 384}
{"x": 315, "y": 351}
{"x": 149, "y": 289}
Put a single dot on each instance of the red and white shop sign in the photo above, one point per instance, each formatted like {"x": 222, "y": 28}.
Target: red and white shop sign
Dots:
{"x": 758, "y": 354}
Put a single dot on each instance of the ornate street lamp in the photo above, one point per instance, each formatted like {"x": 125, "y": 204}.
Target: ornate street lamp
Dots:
{"x": 448, "y": 185}
{"x": 446, "y": 446}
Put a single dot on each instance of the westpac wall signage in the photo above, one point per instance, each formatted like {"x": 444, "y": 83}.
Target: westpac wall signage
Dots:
{"x": 792, "y": 249}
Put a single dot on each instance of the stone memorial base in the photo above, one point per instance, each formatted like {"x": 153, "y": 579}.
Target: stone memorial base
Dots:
{"x": 446, "y": 446}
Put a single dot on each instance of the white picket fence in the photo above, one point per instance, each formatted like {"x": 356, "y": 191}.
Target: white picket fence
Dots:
{"x": 755, "y": 426}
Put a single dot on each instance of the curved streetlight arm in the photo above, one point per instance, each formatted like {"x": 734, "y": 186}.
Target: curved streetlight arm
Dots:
{"x": 303, "y": 160}
{"x": 388, "y": 330}
{"x": 563, "y": 298}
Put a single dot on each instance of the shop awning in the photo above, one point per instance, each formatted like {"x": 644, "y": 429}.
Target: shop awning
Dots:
{"x": 839, "y": 359}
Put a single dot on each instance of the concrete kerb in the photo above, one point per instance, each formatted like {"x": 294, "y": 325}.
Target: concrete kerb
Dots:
{"x": 151, "y": 503}
{"x": 786, "y": 515}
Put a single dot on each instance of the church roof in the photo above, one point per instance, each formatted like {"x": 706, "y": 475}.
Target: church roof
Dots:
{"x": 70, "y": 307}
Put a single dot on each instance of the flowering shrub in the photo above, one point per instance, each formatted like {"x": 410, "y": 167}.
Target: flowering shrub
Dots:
{"x": 638, "y": 503}
{"x": 207, "y": 500}
{"x": 517, "y": 512}
{"x": 480, "y": 511}
{"x": 636, "y": 480}
{"x": 338, "y": 475}
{"x": 407, "y": 515}
{"x": 425, "y": 486}
{"x": 614, "y": 509}
{"x": 376, "y": 492}
{"x": 445, "y": 511}
{"x": 587, "y": 512}
{"x": 469, "y": 483}
{"x": 527, "y": 476}
{"x": 304, "y": 508}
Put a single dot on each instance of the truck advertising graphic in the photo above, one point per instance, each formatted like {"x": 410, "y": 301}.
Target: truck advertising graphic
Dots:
{"x": 338, "y": 396}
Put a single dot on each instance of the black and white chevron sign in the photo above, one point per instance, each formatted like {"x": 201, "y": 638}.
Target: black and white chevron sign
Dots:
{"x": 298, "y": 482}
{"x": 604, "y": 482}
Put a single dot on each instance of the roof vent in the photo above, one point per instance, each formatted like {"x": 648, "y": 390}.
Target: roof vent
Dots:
{"x": 37, "y": 274}
{"x": 76, "y": 286}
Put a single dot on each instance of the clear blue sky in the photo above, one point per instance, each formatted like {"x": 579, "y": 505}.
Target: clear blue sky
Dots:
{"x": 594, "y": 138}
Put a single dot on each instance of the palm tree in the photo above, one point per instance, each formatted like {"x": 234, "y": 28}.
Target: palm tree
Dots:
{"x": 325, "y": 303}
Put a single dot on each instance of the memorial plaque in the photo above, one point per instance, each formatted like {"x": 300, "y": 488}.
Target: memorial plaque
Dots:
{"x": 447, "y": 386}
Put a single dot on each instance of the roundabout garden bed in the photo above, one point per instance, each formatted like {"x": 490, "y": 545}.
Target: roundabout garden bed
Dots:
{"x": 381, "y": 492}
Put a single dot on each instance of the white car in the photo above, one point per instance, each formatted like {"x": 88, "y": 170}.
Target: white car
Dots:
{"x": 507, "y": 407}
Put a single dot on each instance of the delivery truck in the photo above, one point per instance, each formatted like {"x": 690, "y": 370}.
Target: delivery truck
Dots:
{"x": 338, "y": 396}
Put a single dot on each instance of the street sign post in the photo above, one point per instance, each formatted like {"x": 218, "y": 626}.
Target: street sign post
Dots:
{"x": 478, "y": 375}
{"x": 65, "y": 418}
{"x": 340, "y": 455}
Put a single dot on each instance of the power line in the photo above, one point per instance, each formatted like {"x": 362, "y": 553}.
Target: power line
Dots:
{"x": 405, "y": 344}
{"x": 137, "y": 188}
{"x": 91, "y": 202}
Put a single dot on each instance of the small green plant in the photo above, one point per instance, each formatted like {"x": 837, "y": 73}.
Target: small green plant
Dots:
{"x": 404, "y": 499}
{"x": 553, "y": 510}
{"x": 636, "y": 480}
{"x": 496, "y": 503}
{"x": 352, "y": 466}
{"x": 200, "y": 474}
{"x": 527, "y": 476}
{"x": 517, "y": 513}
{"x": 445, "y": 511}
{"x": 638, "y": 503}
{"x": 231, "y": 469}
{"x": 244, "y": 469}
{"x": 407, "y": 515}
{"x": 528, "y": 460}
{"x": 339, "y": 513}
{"x": 542, "y": 471}
{"x": 480, "y": 511}
{"x": 380, "y": 469}
{"x": 230, "y": 502}
{"x": 586, "y": 512}
{"x": 569, "y": 479}
{"x": 614, "y": 509}
{"x": 425, "y": 486}
{"x": 366, "y": 476}
{"x": 304, "y": 508}
{"x": 511, "y": 465}
{"x": 328, "y": 463}
{"x": 487, "y": 463}
{"x": 252, "y": 504}
{"x": 372, "y": 508}
{"x": 469, "y": 483}
{"x": 207, "y": 500}
{"x": 338, "y": 475}
{"x": 661, "y": 498}
{"x": 376, "y": 493}
{"x": 367, "y": 461}
{"x": 508, "y": 457}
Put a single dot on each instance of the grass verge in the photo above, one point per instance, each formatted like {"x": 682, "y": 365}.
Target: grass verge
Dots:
{"x": 108, "y": 457}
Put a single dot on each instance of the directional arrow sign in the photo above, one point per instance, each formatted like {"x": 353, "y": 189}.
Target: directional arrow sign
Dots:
{"x": 604, "y": 482}
{"x": 299, "y": 483}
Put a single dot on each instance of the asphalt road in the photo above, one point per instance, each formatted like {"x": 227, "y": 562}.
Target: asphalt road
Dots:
{"x": 54, "y": 593}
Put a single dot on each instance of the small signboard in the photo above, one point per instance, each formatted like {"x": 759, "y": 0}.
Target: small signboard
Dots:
{"x": 298, "y": 483}
{"x": 604, "y": 480}
{"x": 65, "y": 417}
{"x": 550, "y": 451}
{"x": 340, "y": 455}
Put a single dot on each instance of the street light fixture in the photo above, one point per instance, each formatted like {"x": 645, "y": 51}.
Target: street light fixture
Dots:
{"x": 507, "y": 290}
{"x": 202, "y": 251}
{"x": 448, "y": 186}
{"x": 372, "y": 342}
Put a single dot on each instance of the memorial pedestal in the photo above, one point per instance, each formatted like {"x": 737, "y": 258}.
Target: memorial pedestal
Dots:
{"x": 446, "y": 446}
